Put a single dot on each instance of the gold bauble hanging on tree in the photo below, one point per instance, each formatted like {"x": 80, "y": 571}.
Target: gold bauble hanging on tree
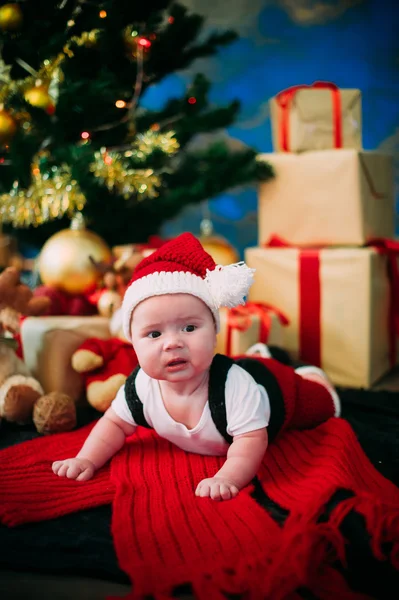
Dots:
{"x": 39, "y": 97}
{"x": 217, "y": 246}
{"x": 64, "y": 261}
{"x": 11, "y": 17}
{"x": 8, "y": 127}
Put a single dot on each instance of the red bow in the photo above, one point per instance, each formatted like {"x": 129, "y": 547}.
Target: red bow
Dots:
{"x": 240, "y": 318}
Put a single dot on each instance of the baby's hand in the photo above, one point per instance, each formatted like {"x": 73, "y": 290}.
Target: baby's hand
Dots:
{"x": 80, "y": 469}
{"x": 216, "y": 488}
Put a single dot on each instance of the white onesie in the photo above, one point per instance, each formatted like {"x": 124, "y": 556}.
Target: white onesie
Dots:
{"x": 247, "y": 409}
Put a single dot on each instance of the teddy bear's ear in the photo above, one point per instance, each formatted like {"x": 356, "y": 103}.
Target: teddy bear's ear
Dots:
{"x": 38, "y": 306}
{"x": 17, "y": 295}
{"x": 9, "y": 279}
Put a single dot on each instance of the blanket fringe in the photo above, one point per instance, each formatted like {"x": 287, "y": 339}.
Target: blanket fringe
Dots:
{"x": 205, "y": 583}
{"x": 309, "y": 548}
{"x": 303, "y": 558}
{"x": 382, "y": 524}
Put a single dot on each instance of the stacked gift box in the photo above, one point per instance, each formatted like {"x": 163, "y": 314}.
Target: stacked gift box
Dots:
{"x": 326, "y": 256}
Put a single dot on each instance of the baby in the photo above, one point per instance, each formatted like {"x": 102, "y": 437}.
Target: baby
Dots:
{"x": 202, "y": 402}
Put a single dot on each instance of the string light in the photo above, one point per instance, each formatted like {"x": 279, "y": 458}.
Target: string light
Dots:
{"x": 192, "y": 100}
{"x": 85, "y": 135}
{"x": 102, "y": 14}
{"x": 144, "y": 42}
{"x": 120, "y": 104}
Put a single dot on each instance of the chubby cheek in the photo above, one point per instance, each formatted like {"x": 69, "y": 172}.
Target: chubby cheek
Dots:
{"x": 142, "y": 349}
{"x": 148, "y": 359}
{"x": 205, "y": 348}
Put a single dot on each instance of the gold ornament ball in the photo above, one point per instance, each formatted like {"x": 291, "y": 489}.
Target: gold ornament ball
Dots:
{"x": 64, "y": 261}
{"x": 221, "y": 251}
{"x": 108, "y": 303}
{"x": 8, "y": 127}
{"x": 11, "y": 17}
{"x": 53, "y": 413}
{"x": 38, "y": 96}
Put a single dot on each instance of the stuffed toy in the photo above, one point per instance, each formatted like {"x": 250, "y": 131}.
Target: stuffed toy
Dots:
{"x": 105, "y": 364}
{"x": 62, "y": 303}
{"x": 21, "y": 395}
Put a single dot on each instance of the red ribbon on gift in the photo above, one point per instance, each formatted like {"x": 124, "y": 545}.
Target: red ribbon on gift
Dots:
{"x": 240, "y": 318}
{"x": 309, "y": 300}
{"x": 310, "y": 296}
{"x": 284, "y": 100}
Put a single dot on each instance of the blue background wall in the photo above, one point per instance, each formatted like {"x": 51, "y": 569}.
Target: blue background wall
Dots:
{"x": 354, "y": 43}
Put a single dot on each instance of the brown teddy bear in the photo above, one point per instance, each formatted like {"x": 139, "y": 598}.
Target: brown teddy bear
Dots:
{"x": 105, "y": 364}
{"x": 21, "y": 395}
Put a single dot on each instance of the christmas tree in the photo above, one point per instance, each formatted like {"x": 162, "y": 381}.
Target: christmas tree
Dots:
{"x": 75, "y": 135}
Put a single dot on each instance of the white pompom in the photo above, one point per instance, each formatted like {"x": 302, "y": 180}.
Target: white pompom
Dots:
{"x": 228, "y": 285}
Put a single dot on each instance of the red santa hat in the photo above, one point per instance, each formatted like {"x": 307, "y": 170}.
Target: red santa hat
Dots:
{"x": 181, "y": 266}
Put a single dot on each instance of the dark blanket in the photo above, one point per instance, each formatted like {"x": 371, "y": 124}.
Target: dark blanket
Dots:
{"x": 81, "y": 543}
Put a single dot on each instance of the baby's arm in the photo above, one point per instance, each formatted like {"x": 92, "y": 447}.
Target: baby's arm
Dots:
{"x": 243, "y": 460}
{"x": 104, "y": 440}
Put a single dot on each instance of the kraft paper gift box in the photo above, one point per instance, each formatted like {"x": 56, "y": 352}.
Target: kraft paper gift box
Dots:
{"x": 318, "y": 117}
{"x": 244, "y": 326}
{"x": 48, "y": 344}
{"x": 338, "y": 302}
{"x": 329, "y": 198}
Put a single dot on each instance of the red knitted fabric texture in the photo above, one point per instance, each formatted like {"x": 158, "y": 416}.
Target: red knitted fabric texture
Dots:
{"x": 183, "y": 253}
{"x": 306, "y": 402}
{"x": 29, "y": 491}
{"x": 165, "y": 536}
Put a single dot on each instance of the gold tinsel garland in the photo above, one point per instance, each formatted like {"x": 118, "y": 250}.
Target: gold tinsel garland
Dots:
{"x": 114, "y": 170}
{"x": 50, "y": 70}
{"x": 47, "y": 198}
{"x": 52, "y": 196}
{"x": 117, "y": 176}
{"x": 149, "y": 141}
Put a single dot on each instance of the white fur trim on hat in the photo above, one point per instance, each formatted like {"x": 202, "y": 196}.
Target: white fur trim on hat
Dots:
{"x": 166, "y": 282}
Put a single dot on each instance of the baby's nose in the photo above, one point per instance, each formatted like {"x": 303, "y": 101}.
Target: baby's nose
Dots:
{"x": 173, "y": 340}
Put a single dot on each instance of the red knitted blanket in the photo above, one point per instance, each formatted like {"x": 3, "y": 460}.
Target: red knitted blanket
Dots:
{"x": 164, "y": 536}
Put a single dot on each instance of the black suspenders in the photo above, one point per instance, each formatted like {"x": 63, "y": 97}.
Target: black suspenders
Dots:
{"x": 216, "y": 394}
{"x": 133, "y": 401}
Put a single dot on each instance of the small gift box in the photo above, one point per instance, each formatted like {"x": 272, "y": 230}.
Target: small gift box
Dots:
{"x": 48, "y": 344}
{"x": 342, "y": 305}
{"x": 243, "y": 326}
{"x": 316, "y": 117}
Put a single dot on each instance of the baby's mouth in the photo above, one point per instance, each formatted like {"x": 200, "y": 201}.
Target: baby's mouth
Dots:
{"x": 176, "y": 361}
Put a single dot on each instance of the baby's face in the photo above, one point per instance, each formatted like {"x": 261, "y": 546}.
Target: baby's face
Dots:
{"x": 174, "y": 336}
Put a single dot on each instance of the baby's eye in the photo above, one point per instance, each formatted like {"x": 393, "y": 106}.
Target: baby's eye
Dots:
{"x": 189, "y": 328}
{"x": 154, "y": 334}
